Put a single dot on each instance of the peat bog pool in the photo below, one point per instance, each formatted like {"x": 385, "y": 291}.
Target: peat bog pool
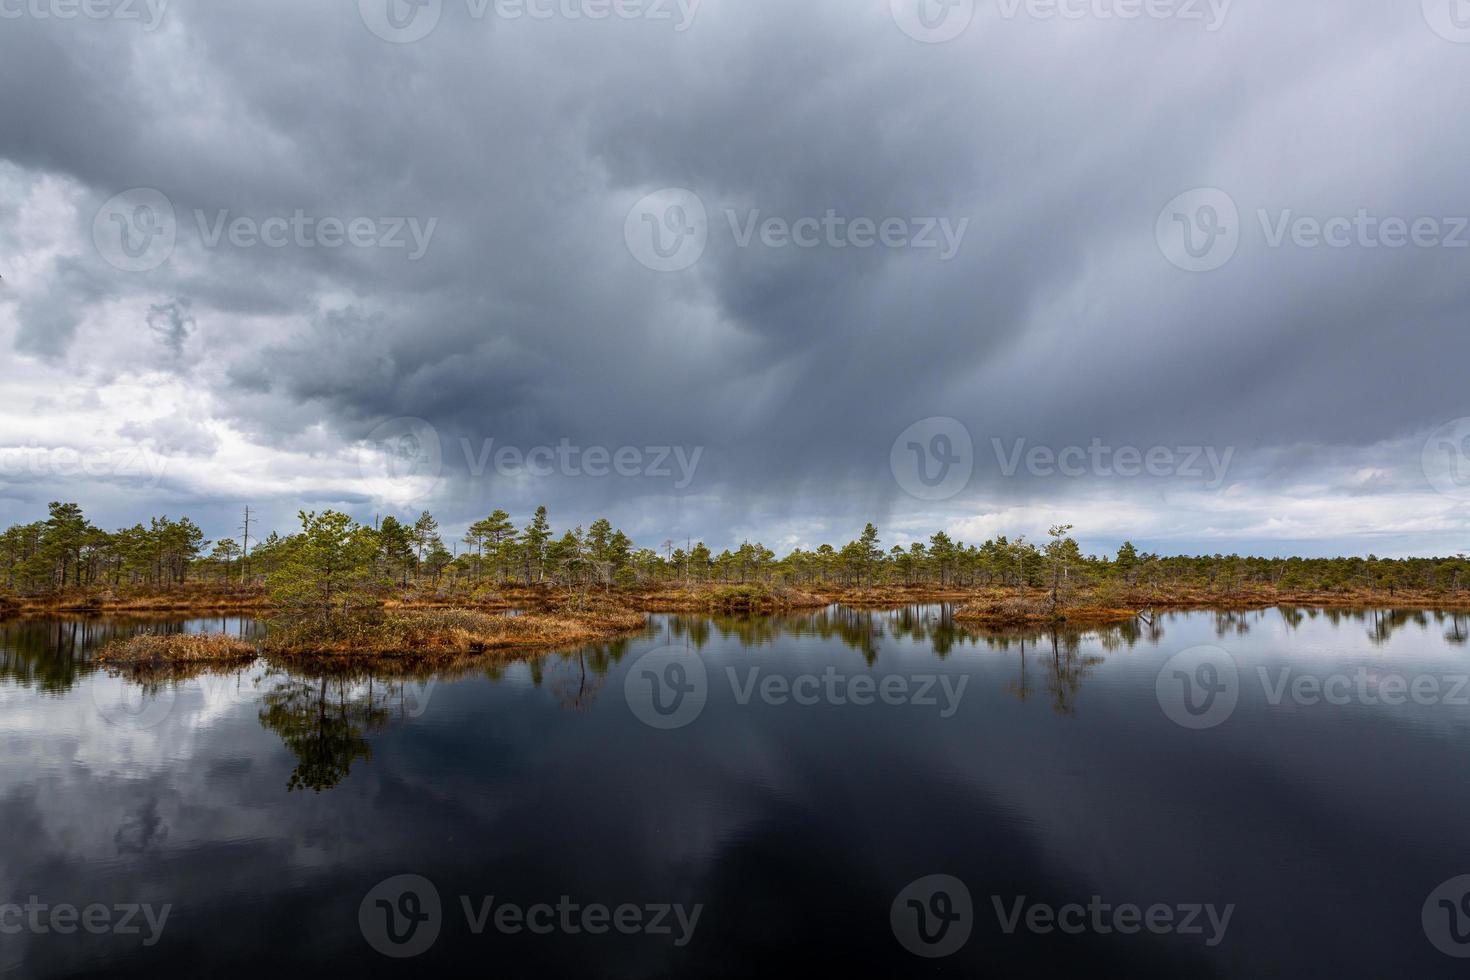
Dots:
{"x": 1272, "y": 793}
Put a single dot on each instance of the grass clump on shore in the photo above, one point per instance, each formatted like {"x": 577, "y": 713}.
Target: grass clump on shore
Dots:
{"x": 761, "y": 599}
{"x": 153, "y": 648}
{"x": 743, "y": 598}
{"x": 1034, "y": 609}
{"x": 429, "y": 633}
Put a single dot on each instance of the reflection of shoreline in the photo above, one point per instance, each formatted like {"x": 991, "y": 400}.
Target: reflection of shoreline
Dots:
{"x": 53, "y": 655}
{"x": 862, "y": 629}
{"x": 327, "y": 712}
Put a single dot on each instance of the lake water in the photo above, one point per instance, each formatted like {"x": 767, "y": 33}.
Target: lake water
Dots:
{"x": 1277, "y": 793}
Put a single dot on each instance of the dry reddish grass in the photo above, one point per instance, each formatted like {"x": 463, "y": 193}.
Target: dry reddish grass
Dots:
{"x": 1258, "y": 597}
{"x": 152, "y": 648}
{"x": 433, "y": 633}
{"x": 215, "y": 598}
{"x": 1112, "y": 604}
{"x": 1023, "y": 611}
{"x": 204, "y": 598}
{"x": 880, "y": 596}
{"x": 702, "y": 597}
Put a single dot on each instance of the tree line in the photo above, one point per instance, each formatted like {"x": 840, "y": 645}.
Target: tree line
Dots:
{"x": 66, "y": 550}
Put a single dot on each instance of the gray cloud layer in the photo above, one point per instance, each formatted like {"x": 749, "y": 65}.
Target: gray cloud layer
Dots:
{"x": 529, "y": 321}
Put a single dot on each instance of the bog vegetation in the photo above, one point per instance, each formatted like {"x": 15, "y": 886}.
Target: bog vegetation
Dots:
{"x": 332, "y": 561}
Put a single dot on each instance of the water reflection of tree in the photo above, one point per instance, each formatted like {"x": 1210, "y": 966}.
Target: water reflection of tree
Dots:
{"x": 1020, "y": 688}
{"x": 1383, "y": 623}
{"x": 1459, "y": 627}
{"x": 1228, "y": 622}
{"x": 1068, "y": 669}
{"x": 325, "y": 723}
{"x": 579, "y": 675}
{"x": 53, "y": 655}
{"x": 864, "y": 630}
{"x": 1292, "y": 617}
{"x": 576, "y": 689}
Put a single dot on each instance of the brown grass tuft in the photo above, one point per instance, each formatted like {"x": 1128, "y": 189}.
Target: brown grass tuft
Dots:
{"x": 434, "y": 633}
{"x": 153, "y": 648}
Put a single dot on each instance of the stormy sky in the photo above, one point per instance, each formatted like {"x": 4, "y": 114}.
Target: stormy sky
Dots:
{"x": 1195, "y": 274}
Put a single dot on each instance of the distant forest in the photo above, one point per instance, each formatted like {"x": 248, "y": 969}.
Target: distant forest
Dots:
{"x": 67, "y": 551}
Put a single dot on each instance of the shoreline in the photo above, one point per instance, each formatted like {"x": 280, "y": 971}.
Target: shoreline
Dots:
{"x": 1090, "y": 603}
{"x": 430, "y": 631}
{"x": 404, "y": 636}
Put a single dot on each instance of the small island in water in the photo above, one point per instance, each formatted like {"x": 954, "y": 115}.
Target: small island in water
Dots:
{"x": 345, "y": 591}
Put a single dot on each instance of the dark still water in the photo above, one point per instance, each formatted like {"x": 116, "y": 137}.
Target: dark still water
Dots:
{"x": 875, "y": 794}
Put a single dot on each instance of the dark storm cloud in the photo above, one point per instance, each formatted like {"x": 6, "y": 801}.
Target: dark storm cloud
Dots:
{"x": 528, "y": 321}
